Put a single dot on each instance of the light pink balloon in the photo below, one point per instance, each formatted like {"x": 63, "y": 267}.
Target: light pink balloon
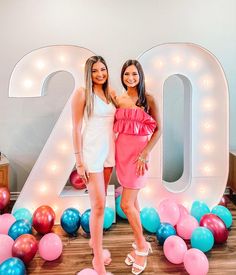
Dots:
{"x": 50, "y": 247}
{"x": 174, "y": 249}
{"x": 118, "y": 191}
{"x": 6, "y": 243}
{"x": 87, "y": 271}
{"x": 196, "y": 262}
{"x": 6, "y": 221}
{"x": 183, "y": 211}
{"x": 185, "y": 227}
{"x": 168, "y": 211}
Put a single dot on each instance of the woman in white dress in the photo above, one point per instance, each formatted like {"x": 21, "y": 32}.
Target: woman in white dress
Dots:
{"x": 94, "y": 146}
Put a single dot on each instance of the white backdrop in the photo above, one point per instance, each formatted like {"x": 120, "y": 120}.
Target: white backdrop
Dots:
{"x": 118, "y": 30}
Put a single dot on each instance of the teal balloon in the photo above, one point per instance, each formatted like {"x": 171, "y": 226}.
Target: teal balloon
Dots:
{"x": 199, "y": 209}
{"x": 223, "y": 213}
{"x": 119, "y": 211}
{"x": 70, "y": 221}
{"x": 109, "y": 216}
{"x": 85, "y": 220}
{"x": 202, "y": 239}
{"x": 23, "y": 213}
{"x": 164, "y": 231}
{"x": 12, "y": 266}
{"x": 19, "y": 228}
{"x": 150, "y": 219}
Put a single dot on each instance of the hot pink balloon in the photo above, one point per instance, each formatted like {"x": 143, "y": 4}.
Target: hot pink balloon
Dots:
{"x": 174, "y": 249}
{"x": 87, "y": 271}
{"x": 50, "y": 247}
{"x": 6, "y": 243}
{"x": 186, "y": 226}
{"x": 168, "y": 211}
{"x": 6, "y": 221}
{"x": 196, "y": 262}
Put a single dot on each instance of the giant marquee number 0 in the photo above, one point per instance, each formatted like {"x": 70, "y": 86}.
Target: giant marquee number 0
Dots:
{"x": 205, "y": 135}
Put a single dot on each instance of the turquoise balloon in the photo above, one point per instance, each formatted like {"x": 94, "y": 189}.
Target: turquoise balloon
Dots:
{"x": 70, "y": 221}
{"x": 119, "y": 211}
{"x": 12, "y": 266}
{"x": 202, "y": 239}
{"x": 150, "y": 219}
{"x": 223, "y": 213}
{"x": 164, "y": 231}
{"x": 109, "y": 216}
{"x": 23, "y": 213}
{"x": 199, "y": 209}
{"x": 85, "y": 220}
{"x": 19, "y": 228}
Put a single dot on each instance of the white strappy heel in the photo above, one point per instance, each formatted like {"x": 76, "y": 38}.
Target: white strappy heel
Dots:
{"x": 129, "y": 260}
{"x": 143, "y": 254}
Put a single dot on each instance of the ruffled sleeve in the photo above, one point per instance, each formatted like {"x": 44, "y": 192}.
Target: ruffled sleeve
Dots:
{"x": 134, "y": 122}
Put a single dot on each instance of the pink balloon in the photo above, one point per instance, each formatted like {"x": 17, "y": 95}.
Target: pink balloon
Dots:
{"x": 50, "y": 247}
{"x": 174, "y": 249}
{"x": 87, "y": 271}
{"x": 118, "y": 191}
{"x": 5, "y": 247}
{"x": 183, "y": 211}
{"x": 6, "y": 221}
{"x": 196, "y": 262}
{"x": 168, "y": 211}
{"x": 185, "y": 227}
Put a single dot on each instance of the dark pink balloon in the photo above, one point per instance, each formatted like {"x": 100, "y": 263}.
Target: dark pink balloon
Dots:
{"x": 25, "y": 248}
{"x": 76, "y": 181}
{"x": 224, "y": 201}
{"x": 217, "y": 227}
{"x": 4, "y": 197}
{"x": 43, "y": 219}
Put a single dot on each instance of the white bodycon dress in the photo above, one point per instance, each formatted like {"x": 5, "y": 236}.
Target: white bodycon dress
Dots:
{"x": 98, "y": 139}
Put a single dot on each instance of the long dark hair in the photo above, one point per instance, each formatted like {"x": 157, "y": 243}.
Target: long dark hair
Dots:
{"x": 89, "y": 85}
{"x": 142, "y": 100}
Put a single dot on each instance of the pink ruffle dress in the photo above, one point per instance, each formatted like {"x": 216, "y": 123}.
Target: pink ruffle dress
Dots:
{"x": 133, "y": 127}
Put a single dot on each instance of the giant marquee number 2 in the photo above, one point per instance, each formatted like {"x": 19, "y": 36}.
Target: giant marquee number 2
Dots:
{"x": 205, "y": 135}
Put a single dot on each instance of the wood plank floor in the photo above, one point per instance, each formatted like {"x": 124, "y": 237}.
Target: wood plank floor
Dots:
{"x": 77, "y": 255}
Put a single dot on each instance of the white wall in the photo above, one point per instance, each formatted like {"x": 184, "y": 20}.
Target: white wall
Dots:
{"x": 118, "y": 30}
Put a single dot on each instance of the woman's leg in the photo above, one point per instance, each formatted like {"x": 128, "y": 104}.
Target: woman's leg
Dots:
{"x": 97, "y": 199}
{"x": 130, "y": 207}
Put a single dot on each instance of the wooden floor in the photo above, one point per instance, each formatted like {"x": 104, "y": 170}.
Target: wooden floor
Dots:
{"x": 76, "y": 254}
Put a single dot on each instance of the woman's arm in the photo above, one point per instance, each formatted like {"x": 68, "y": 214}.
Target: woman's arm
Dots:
{"x": 143, "y": 157}
{"x": 78, "y": 107}
{"x": 153, "y": 111}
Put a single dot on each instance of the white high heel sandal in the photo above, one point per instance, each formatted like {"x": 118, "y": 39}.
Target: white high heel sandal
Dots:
{"x": 129, "y": 260}
{"x": 143, "y": 254}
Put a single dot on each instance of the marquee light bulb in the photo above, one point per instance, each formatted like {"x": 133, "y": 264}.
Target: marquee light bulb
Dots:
{"x": 177, "y": 59}
{"x": 28, "y": 83}
{"x": 53, "y": 167}
{"x": 40, "y": 65}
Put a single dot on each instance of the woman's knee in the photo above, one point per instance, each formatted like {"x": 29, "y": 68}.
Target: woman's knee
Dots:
{"x": 98, "y": 207}
{"x": 125, "y": 206}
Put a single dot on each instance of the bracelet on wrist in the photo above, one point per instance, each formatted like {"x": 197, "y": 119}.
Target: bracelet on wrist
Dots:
{"x": 143, "y": 159}
{"x": 77, "y": 153}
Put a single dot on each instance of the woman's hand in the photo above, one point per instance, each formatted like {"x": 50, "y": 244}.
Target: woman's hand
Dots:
{"x": 83, "y": 174}
{"x": 142, "y": 164}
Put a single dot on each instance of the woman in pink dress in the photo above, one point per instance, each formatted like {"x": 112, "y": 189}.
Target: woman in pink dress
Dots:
{"x": 138, "y": 126}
